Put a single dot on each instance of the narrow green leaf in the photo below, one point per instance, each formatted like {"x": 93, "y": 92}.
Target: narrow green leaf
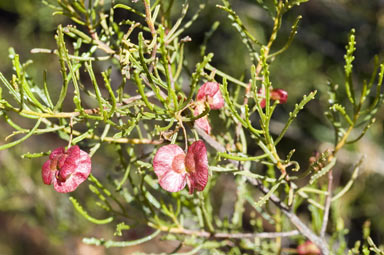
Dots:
{"x": 99, "y": 97}
{"x": 128, "y": 8}
{"x": 293, "y": 114}
{"x": 290, "y": 38}
{"x": 46, "y": 92}
{"x": 341, "y": 109}
{"x": 348, "y": 66}
{"x": 266, "y": 197}
{"x": 84, "y": 213}
{"x": 140, "y": 87}
{"x": 9, "y": 145}
{"x": 111, "y": 94}
{"x": 349, "y": 184}
{"x": 363, "y": 132}
{"x": 230, "y": 104}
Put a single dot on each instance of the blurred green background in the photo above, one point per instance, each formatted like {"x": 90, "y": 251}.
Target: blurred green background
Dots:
{"x": 36, "y": 220}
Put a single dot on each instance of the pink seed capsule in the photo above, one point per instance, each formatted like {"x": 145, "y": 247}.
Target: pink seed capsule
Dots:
{"x": 66, "y": 169}
{"x": 175, "y": 169}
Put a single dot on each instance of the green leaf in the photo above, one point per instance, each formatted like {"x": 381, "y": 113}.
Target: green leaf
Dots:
{"x": 9, "y": 145}
{"x": 349, "y": 57}
{"x": 293, "y": 114}
{"x": 85, "y": 214}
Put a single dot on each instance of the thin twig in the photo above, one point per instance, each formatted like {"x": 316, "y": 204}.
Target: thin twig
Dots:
{"x": 257, "y": 235}
{"x": 148, "y": 19}
{"x": 71, "y": 132}
{"x": 80, "y": 58}
{"x": 138, "y": 97}
{"x": 108, "y": 139}
{"x": 76, "y": 114}
{"x": 327, "y": 204}
{"x": 304, "y": 229}
{"x": 206, "y": 234}
{"x": 105, "y": 47}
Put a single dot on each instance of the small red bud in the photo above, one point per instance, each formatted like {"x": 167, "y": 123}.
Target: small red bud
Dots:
{"x": 308, "y": 248}
{"x": 276, "y": 94}
{"x": 279, "y": 94}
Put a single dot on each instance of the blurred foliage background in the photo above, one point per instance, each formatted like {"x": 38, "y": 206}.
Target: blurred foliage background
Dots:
{"x": 36, "y": 220}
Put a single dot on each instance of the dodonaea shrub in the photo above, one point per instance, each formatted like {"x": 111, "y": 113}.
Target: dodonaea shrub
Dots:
{"x": 172, "y": 126}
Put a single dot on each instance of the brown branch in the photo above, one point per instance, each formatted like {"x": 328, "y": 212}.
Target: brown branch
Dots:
{"x": 148, "y": 19}
{"x": 304, "y": 229}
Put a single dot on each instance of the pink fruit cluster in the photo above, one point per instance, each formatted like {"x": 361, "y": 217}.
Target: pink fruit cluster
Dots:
{"x": 175, "y": 169}
{"x": 66, "y": 169}
{"x": 209, "y": 93}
